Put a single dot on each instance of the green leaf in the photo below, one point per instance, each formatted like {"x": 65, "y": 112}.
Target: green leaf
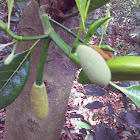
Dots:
{"x": 83, "y": 79}
{"x": 132, "y": 92}
{"x": 35, "y": 2}
{"x": 105, "y": 25}
{"x": 13, "y": 78}
{"x": 107, "y": 48}
{"x": 95, "y": 4}
{"x": 91, "y": 21}
{"x": 10, "y": 4}
{"x": 82, "y": 124}
{"x": 81, "y": 4}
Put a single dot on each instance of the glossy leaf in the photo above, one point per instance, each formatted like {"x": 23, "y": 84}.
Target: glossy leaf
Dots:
{"x": 95, "y": 4}
{"x": 94, "y": 105}
{"x": 82, "y": 124}
{"x": 13, "y": 78}
{"x": 132, "y": 92}
{"x": 135, "y": 90}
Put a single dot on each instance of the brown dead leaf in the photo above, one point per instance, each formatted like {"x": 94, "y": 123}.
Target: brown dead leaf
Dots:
{"x": 105, "y": 54}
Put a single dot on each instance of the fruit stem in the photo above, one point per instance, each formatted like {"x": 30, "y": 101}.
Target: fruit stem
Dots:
{"x": 66, "y": 49}
{"x": 22, "y": 38}
{"x": 65, "y": 28}
{"x": 40, "y": 68}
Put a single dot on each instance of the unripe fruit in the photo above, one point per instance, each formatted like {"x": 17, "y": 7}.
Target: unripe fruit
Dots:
{"x": 94, "y": 66}
{"x": 125, "y": 68}
{"x": 39, "y": 101}
{"x": 9, "y": 59}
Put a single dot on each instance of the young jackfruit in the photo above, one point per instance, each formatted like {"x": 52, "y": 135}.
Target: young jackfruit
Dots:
{"x": 39, "y": 101}
{"x": 94, "y": 66}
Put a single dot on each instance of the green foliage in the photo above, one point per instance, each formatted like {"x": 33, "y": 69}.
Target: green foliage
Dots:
{"x": 95, "y": 4}
{"x": 132, "y": 92}
{"x": 82, "y": 124}
{"x": 81, "y": 4}
{"x": 13, "y": 78}
{"x": 89, "y": 22}
{"x": 83, "y": 79}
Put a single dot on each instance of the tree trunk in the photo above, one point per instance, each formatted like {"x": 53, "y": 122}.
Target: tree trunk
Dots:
{"x": 59, "y": 72}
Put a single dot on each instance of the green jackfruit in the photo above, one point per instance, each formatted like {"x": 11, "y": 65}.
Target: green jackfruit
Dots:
{"x": 94, "y": 66}
{"x": 39, "y": 101}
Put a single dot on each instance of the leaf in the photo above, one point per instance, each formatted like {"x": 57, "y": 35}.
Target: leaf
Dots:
{"x": 81, "y": 4}
{"x": 89, "y": 88}
{"x": 110, "y": 109}
{"x": 97, "y": 91}
{"x": 13, "y": 78}
{"x": 124, "y": 100}
{"x": 94, "y": 91}
{"x": 132, "y": 92}
{"x": 104, "y": 133}
{"x": 94, "y": 105}
{"x": 133, "y": 118}
{"x": 107, "y": 48}
{"x": 10, "y": 4}
{"x": 90, "y": 22}
{"x": 128, "y": 134}
{"x": 83, "y": 79}
{"x": 95, "y": 4}
{"x": 76, "y": 116}
{"x": 35, "y": 2}
{"x": 82, "y": 124}
{"x": 83, "y": 131}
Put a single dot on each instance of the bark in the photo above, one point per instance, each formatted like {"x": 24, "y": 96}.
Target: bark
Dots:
{"x": 21, "y": 123}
